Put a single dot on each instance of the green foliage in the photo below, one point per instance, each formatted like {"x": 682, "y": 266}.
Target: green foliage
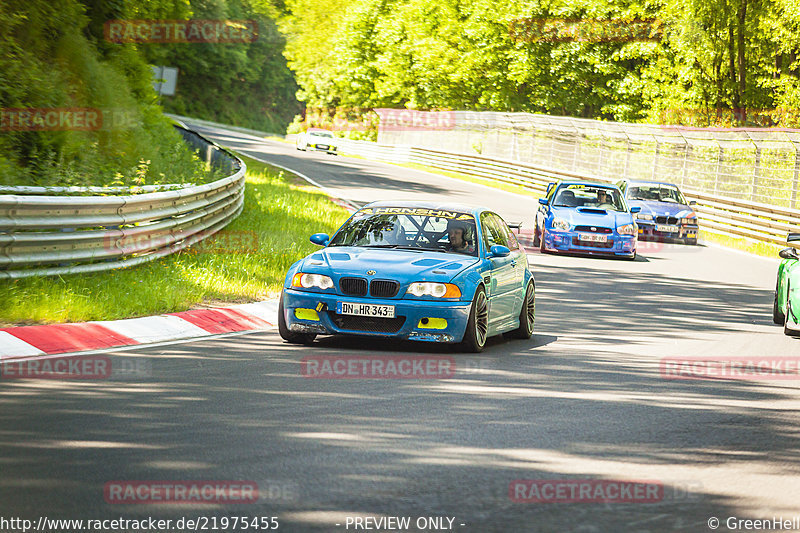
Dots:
{"x": 246, "y": 84}
{"x": 47, "y": 61}
{"x": 685, "y": 61}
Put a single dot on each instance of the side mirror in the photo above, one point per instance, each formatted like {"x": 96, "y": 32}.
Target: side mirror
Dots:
{"x": 692, "y": 202}
{"x": 498, "y": 250}
{"x": 543, "y": 201}
{"x": 320, "y": 239}
{"x": 793, "y": 237}
{"x": 635, "y": 209}
{"x": 786, "y": 253}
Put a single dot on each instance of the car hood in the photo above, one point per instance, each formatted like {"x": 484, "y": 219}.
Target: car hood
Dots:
{"x": 666, "y": 209}
{"x": 318, "y": 139}
{"x": 400, "y": 265}
{"x": 593, "y": 217}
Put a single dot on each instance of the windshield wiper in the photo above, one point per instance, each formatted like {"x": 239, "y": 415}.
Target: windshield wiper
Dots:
{"x": 394, "y": 247}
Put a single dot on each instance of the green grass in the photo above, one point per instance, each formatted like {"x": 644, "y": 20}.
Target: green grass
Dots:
{"x": 280, "y": 214}
{"x": 763, "y": 249}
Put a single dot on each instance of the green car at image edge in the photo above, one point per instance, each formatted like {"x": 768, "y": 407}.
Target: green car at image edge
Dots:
{"x": 786, "y": 309}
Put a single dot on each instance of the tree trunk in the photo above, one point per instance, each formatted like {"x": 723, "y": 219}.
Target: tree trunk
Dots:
{"x": 735, "y": 100}
{"x": 742, "y": 60}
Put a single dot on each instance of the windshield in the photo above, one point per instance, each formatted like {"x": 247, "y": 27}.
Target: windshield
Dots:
{"x": 407, "y": 228}
{"x": 656, "y": 192}
{"x": 598, "y": 197}
{"x": 321, "y": 134}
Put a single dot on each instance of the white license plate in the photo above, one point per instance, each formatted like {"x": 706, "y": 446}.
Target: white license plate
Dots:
{"x": 323, "y": 146}
{"x": 667, "y": 229}
{"x": 591, "y": 237}
{"x": 349, "y": 308}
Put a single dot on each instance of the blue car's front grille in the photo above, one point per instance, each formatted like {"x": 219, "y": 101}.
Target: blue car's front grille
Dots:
{"x": 367, "y": 323}
{"x": 666, "y": 220}
{"x": 593, "y": 229}
{"x": 353, "y": 286}
{"x": 383, "y": 288}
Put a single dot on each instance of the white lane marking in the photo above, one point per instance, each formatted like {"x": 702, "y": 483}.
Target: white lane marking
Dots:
{"x": 132, "y": 347}
{"x": 311, "y": 181}
{"x": 155, "y": 328}
{"x": 11, "y": 346}
{"x": 266, "y": 310}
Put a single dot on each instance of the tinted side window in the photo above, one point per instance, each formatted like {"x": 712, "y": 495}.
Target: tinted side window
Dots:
{"x": 511, "y": 239}
{"x": 492, "y": 234}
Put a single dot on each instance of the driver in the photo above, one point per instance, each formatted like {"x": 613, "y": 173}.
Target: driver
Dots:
{"x": 459, "y": 237}
{"x": 603, "y": 198}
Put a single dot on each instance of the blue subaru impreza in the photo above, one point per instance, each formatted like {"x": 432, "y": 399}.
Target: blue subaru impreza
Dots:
{"x": 585, "y": 217}
{"x": 412, "y": 270}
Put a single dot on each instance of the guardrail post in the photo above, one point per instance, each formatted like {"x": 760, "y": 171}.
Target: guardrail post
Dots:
{"x": 685, "y": 170}
{"x": 627, "y": 156}
{"x": 655, "y": 160}
{"x": 514, "y": 151}
{"x": 576, "y": 151}
{"x": 756, "y": 169}
{"x": 720, "y": 159}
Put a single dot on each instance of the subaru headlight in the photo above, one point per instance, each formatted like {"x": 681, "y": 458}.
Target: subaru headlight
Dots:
{"x": 627, "y": 229}
{"x": 689, "y": 220}
{"x": 643, "y": 216}
{"x": 437, "y": 290}
{"x": 309, "y": 281}
{"x": 560, "y": 224}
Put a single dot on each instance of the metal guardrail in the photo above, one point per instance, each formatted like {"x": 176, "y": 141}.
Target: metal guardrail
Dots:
{"x": 43, "y": 235}
{"x": 751, "y": 164}
{"x": 718, "y": 214}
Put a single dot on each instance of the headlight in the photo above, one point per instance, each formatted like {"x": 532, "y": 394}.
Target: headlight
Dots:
{"x": 438, "y": 290}
{"x": 560, "y": 224}
{"x": 642, "y": 216}
{"x": 308, "y": 281}
{"x": 627, "y": 229}
{"x": 689, "y": 220}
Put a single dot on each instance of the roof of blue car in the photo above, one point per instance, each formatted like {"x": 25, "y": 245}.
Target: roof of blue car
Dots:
{"x": 444, "y": 206}
{"x": 589, "y": 182}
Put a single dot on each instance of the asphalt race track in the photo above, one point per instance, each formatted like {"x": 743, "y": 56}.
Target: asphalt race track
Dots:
{"x": 585, "y": 399}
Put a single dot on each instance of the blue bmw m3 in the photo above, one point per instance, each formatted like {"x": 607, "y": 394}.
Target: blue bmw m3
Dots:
{"x": 585, "y": 217}
{"x": 412, "y": 270}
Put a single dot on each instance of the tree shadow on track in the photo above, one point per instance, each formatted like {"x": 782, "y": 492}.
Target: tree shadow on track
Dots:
{"x": 240, "y": 408}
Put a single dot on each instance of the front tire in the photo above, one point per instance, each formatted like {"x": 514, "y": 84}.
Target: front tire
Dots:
{"x": 786, "y": 330}
{"x": 777, "y": 317}
{"x": 291, "y": 336}
{"x": 477, "y": 324}
{"x": 541, "y": 243}
{"x": 527, "y": 314}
